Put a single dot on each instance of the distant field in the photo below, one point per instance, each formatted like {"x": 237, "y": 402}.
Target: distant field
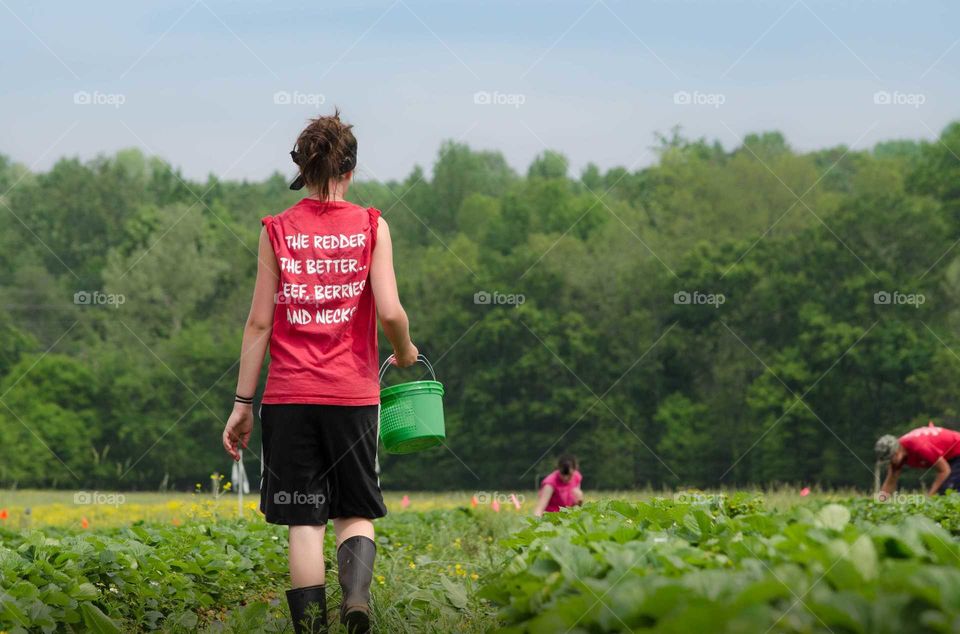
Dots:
{"x": 101, "y": 509}
{"x": 112, "y": 508}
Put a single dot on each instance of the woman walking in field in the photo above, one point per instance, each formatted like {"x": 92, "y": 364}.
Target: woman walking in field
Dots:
{"x": 561, "y": 488}
{"x": 325, "y": 274}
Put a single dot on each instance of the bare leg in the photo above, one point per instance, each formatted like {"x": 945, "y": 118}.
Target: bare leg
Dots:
{"x": 347, "y": 527}
{"x": 306, "y": 556}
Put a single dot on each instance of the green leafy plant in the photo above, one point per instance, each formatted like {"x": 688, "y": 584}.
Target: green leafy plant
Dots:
{"x": 229, "y": 575}
{"x": 725, "y": 566}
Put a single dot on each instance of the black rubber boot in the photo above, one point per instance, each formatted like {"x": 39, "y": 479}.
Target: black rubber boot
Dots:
{"x": 300, "y": 600}
{"x": 355, "y": 561}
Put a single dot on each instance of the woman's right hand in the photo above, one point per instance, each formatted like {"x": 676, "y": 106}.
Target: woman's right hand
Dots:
{"x": 406, "y": 357}
{"x": 236, "y": 434}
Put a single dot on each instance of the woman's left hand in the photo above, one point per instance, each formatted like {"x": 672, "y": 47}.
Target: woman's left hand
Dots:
{"x": 237, "y": 431}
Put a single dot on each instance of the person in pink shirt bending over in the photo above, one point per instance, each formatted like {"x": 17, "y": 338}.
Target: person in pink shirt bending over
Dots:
{"x": 930, "y": 447}
{"x": 561, "y": 488}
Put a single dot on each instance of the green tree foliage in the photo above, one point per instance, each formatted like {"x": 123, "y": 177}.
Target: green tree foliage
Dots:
{"x": 48, "y": 422}
{"x": 562, "y": 314}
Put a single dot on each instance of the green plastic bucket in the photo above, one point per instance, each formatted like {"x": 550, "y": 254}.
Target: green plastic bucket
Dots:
{"x": 411, "y": 414}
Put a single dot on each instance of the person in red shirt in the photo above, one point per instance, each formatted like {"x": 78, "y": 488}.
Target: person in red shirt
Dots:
{"x": 325, "y": 276}
{"x": 561, "y": 488}
{"x": 929, "y": 447}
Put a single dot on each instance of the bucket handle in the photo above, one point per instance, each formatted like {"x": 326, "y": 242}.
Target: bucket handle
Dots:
{"x": 422, "y": 359}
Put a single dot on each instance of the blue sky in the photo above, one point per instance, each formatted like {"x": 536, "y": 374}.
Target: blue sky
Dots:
{"x": 199, "y": 80}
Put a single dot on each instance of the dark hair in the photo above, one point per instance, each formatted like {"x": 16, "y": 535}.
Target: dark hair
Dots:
{"x": 325, "y": 149}
{"x": 567, "y": 464}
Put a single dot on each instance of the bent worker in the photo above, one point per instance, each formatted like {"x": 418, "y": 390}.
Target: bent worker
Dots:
{"x": 929, "y": 447}
{"x": 561, "y": 488}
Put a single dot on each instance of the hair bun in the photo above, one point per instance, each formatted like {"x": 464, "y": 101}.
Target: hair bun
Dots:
{"x": 325, "y": 150}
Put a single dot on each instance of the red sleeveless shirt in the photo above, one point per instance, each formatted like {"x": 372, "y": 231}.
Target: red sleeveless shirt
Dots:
{"x": 323, "y": 348}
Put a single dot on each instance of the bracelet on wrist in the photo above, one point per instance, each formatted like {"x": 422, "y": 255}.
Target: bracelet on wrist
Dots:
{"x": 246, "y": 400}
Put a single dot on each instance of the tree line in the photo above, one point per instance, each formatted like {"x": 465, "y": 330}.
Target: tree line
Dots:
{"x": 718, "y": 318}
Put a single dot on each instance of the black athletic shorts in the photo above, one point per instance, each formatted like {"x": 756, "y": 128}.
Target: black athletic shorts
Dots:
{"x": 319, "y": 463}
